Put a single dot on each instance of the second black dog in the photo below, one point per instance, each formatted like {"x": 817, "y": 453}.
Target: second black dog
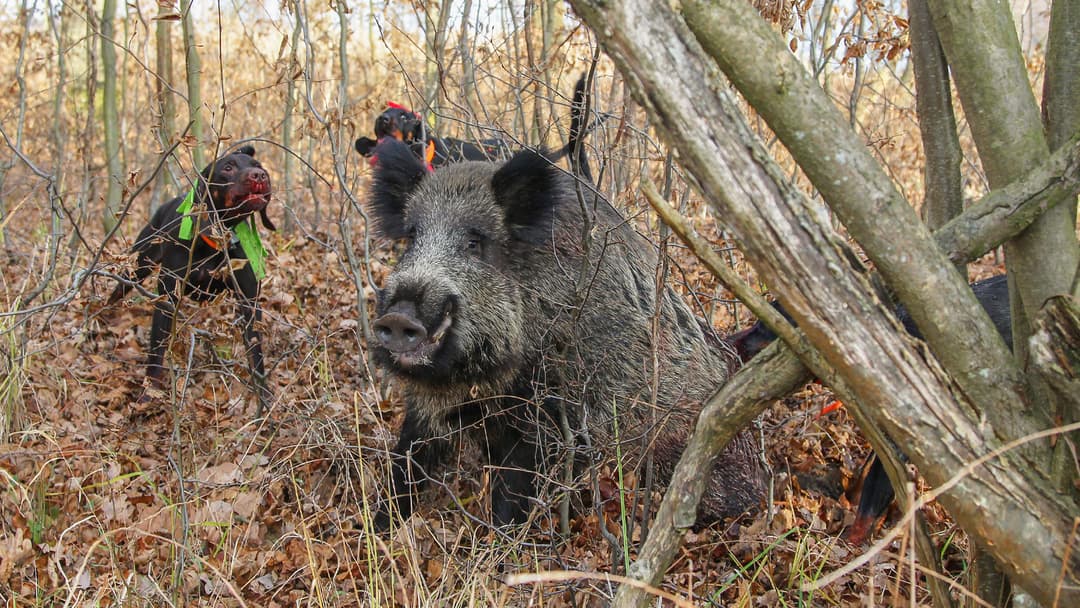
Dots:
{"x": 400, "y": 123}
{"x": 199, "y": 242}
{"x": 877, "y": 492}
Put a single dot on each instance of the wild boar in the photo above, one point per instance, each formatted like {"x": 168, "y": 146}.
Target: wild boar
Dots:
{"x": 502, "y": 315}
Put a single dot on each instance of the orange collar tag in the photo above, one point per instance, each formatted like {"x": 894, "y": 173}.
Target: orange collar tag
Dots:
{"x": 211, "y": 242}
{"x": 429, "y": 154}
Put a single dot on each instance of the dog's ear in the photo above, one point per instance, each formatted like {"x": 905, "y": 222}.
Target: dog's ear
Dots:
{"x": 397, "y": 174}
{"x": 266, "y": 219}
{"x": 365, "y": 146}
{"x": 249, "y": 150}
{"x": 528, "y": 187}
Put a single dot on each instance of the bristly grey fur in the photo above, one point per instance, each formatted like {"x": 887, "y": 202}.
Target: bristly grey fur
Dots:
{"x": 537, "y": 321}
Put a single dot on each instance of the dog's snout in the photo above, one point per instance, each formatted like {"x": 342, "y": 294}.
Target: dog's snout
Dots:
{"x": 400, "y": 331}
{"x": 382, "y": 126}
{"x": 257, "y": 179}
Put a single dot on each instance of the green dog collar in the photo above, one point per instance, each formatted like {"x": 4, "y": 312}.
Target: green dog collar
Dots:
{"x": 245, "y": 232}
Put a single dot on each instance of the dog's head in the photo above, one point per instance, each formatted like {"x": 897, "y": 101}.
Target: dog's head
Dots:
{"x": 238, "y": 186}
{"x": 396, "y": 122}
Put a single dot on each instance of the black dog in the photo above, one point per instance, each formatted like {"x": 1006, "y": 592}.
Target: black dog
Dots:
{"x": 197, "y": 239}
{"x": 407, "y": 126}
{"x": 877, "y": 491}
{"x": 400, "y": 123}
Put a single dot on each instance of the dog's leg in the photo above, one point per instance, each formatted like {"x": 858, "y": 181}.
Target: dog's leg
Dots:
{"x": 149, "y": 256}
{"x": 247, "y": 289}
{"x": 160, "y": 330}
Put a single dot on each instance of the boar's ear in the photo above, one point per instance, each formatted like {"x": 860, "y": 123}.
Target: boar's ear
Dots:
{"x": 397, "y": 173}
{"x": 528, "y": 188}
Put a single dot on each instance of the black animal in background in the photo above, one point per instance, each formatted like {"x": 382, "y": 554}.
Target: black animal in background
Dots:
{"x": 196, "y": 241}
{"x": 877, "y": 491}
{"x": 400, "y": 123}
{"x": 482, "y": 326}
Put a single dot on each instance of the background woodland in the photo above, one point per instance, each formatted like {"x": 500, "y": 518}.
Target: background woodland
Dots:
{"x": 781, "y": 132}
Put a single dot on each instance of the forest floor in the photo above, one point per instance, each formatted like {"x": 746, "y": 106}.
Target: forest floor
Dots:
{"x": 188, "y": 500}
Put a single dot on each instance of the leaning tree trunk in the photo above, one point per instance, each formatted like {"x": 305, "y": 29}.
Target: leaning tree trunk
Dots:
{"x": 944, "y": 420}
{"x": 111, "y": 121}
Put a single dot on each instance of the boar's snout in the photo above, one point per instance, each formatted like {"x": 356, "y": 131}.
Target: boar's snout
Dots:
{"x": 411, "y": 337}
{"x": 400, "y": 331}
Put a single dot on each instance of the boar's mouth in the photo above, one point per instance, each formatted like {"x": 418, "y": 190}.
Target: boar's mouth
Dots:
{"x": 421, "y": 355}
{"x": 406, "y": 339}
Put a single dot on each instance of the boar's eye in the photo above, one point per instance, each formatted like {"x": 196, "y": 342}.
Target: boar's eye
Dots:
{"x": 474, "y": 245}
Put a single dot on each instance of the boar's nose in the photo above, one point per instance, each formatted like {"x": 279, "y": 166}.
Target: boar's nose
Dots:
{"x": 399, "y": 332}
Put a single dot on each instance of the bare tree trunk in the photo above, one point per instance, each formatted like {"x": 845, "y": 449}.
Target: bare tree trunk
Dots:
{"x": 20, "y": 82}
{"x": 436, "y": 25}
{"x": 59, "y": 134}
{"x": 997, "y": 499}
{"x": 193, "y": 71}
{"x": 991, "y": 77}
{"x": 291, "y": 70}
{"x": 165, "y": 103}
{"x": 111, "y": 121}
{"x": 1061, "y": 119}
{"x": 468, "y": 62}
{"x": 943, "y": 198}
{"x": 533, "y": 60}
{"x": 309, "y": 66}
{"x": 865, "y": 200}
{"x": 87, "y": 139}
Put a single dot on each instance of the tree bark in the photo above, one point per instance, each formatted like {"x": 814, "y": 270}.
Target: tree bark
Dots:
{"x": 1061, "y": 85}
{"x": 111, "y": 121}
{"x": 435, "y": 29}
{"x": 899, "y": 391}
{"x": 980, "y": 40}
{"x": 193, "y": 72}
{"x": 1056, "y": 349}
{"x": 856, "y": 188}
{"x": 1061, "y": 119}
{"x": 943, "y": 198}
{"x": 291, "y": 70}
{"x": 1005, "y": 212}
{"x": 165, "y": 185}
